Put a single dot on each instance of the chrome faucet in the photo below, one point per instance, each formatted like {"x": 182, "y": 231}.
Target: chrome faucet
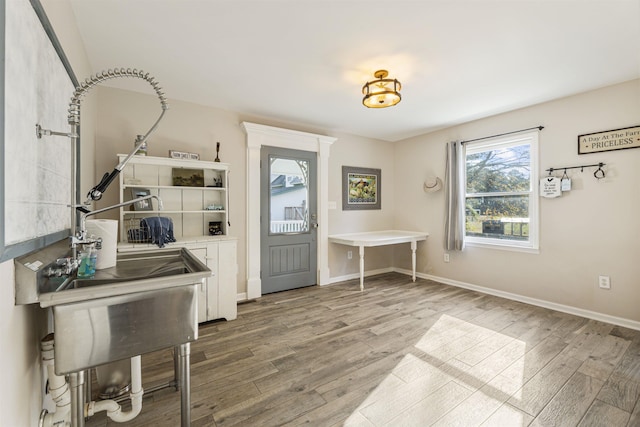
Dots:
{"x": 80, "y": 237}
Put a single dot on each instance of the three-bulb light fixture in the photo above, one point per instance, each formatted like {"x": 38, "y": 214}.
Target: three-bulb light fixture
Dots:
{"x": 381, "y": 93}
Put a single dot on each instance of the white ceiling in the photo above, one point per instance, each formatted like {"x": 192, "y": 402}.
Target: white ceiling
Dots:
{"x": 305, "y": 61}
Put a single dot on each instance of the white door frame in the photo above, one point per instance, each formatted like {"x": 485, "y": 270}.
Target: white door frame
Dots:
{"x": 257, "y": 136}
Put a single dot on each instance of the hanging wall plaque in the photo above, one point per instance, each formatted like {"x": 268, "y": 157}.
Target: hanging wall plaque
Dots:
{"x": 617, "y": 139}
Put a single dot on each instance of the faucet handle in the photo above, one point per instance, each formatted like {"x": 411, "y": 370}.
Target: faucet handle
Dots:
{"x": 64, "y": 267}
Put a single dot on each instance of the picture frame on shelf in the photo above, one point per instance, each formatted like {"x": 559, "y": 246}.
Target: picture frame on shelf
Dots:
{"x": 215, "y": 228}
{"x": 361, "y": 188}
{"x": 143, "y": 205}
{"x": 183, "y": 177}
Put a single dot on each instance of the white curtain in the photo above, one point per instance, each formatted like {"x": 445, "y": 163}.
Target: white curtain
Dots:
{"x": 454, "y": 197}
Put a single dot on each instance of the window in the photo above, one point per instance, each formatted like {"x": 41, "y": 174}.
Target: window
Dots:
{"x": 501, "y": 202}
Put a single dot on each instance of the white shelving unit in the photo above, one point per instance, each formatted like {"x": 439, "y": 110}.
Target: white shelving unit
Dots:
{"x": 191, "y": 208}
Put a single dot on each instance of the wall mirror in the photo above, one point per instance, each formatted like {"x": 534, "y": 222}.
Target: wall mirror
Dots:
{"x": 36, "y": 85}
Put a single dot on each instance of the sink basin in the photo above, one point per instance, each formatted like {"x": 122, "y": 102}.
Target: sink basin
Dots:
{"x": 147, "y": 302}
{"x": 133, "y": 272}
{"x": 137, "y": 267}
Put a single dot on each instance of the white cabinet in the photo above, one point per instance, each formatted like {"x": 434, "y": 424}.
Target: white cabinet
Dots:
{"x": 198, "y": 201}
{"x": 194, "y": 195}
{"x": 217, "y": 297}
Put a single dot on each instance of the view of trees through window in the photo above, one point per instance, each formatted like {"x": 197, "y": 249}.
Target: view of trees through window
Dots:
{"x": 498, "y": 185}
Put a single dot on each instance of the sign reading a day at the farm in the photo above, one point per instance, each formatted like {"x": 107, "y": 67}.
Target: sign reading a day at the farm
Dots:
{"x": 617, "y": 139}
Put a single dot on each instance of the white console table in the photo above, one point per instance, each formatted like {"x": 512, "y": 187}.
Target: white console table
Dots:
{"x": 380, "y": 238}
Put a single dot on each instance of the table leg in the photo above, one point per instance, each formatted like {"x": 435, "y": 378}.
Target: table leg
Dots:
{"x": 414, "y": 246}
{"x": 361, "y": 252}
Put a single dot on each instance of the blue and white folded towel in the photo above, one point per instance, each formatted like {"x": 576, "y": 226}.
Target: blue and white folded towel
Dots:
{"x": 159, "y": 229}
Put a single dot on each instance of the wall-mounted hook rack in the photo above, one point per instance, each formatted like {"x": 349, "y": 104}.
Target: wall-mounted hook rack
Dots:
{"x": 599, "y": 173}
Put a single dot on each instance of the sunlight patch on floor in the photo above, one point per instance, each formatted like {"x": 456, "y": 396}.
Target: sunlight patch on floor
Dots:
{"x": 452, "y": 377}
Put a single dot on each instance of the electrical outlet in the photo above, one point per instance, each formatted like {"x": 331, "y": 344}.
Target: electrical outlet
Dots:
{"x": 349, "y": 254}
{"x": 604, "y": 282}
{"x": 446, "y": 257}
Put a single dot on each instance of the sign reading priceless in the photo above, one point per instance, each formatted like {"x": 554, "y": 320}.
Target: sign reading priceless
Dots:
{"x": 617, "y": 139}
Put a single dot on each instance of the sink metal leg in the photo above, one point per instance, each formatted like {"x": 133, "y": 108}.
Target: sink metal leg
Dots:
{"x": 87, "y": 386}
{"x": 183, "y": 377}
{"x": 176, "y": 368}
{"x": 76, "y": 382}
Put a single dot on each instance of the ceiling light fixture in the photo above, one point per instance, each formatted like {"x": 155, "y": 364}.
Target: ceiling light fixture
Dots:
{"x": 381, "y": 93}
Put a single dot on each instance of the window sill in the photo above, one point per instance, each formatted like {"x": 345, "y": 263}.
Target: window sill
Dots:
{"x": 502, "y": 246}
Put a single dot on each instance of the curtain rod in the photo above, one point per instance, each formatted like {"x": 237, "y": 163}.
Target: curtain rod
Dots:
{"x": 501, "y": 134}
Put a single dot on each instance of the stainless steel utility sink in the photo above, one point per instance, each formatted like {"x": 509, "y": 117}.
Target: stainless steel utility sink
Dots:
{"x": 147, "y": 302}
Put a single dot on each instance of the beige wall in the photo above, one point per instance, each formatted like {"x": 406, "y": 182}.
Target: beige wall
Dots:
{"x": 20, "y": 334}
{"x": 591, "y": 231}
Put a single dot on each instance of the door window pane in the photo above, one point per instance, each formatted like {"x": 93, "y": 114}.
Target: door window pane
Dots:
{"x": 288, "y": 196}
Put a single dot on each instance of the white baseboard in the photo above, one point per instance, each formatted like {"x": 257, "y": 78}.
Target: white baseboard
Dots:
{"x": 344, "y": 278}
{"x": 243, "y": 296}
{"x": 627, "y": 323}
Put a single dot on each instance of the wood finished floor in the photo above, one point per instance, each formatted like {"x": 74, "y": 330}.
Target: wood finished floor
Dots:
{"x": 400, "y": 354}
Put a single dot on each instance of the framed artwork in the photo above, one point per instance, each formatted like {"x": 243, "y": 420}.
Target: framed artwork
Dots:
{"x": 361, "y": 188}
{"x": 143, "y": 205}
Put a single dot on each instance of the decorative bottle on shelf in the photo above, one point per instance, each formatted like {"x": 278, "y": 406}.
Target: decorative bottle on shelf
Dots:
{"x": 142, "y": 151}
{"x": 217, "y": 159}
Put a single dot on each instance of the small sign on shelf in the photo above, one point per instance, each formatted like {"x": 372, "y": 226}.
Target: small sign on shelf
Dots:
{"x": 182, "y": 155}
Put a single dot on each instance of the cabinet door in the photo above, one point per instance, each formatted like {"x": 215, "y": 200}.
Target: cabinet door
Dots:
{"x": 213, "y": 263}
{"x": 201, "y": 254}
{"x": 227, "y": 280}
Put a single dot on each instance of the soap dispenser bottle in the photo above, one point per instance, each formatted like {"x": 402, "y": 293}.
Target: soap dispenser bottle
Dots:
{"x": 88, "y": 258}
